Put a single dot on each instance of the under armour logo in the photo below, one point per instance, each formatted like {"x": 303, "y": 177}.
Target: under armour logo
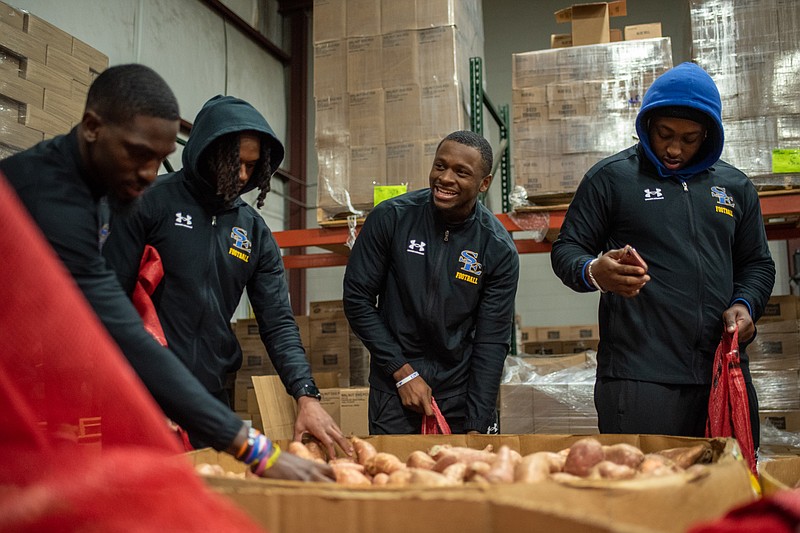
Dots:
{"x": 416, "y": 247}
{"x": 184, "y": 221}
{"x": 654, "y": 194}
{"x": 493, "y": 429}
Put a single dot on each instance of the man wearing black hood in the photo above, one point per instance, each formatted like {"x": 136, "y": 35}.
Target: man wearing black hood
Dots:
{"x": 696, "y": 221}
{"x": 212, "y": 246}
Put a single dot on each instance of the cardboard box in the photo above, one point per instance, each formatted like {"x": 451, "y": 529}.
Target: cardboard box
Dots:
{"x": 643, "y": 31}
{"x": 330, "y": 68}
{"x": 547, "y": 506}
{"x": 330, "y": 20}
{"x": 364, "y": 63}
{"x": 348, "y": 408}
{"x": 552, "y": 333}
{"x": 326, "y": 308}
{"x": 403, "y": 161}
{"x": 403, "y": 115}
{"x": 543, "y": 347}
{"x": 400, "y": 58}
{"x": 366, "y": 112}
{"x": 363, "y": 18}
{"x": 583, "y": 332}
{"x": 780, "y": 473}
{"x": 590, "y": 21}
{"x": 579, "y": 346}
{"x": 780, "y": 308}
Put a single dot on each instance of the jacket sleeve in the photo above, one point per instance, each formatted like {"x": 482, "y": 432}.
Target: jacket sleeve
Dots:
{"x": 125, "y": 244}
{"x": 583, "y": 234}
{"x": 179, "y": 394}
{"x": 753, "y": 267}
{"x": 364, "y": 280}
{"x": 269, "y": 295}
{"x": 494, "y": 321}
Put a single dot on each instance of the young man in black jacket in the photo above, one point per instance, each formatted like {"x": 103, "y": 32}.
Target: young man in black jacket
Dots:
{"x": 429, "y": 288}
{"x": 696, "y": 221}
{"x": 213, "y": 246}
{"x": 129, "y": 126}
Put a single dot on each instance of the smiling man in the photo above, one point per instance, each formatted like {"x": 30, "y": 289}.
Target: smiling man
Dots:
{"x": 429, "y": 288}
{"x": 696, "y": 222}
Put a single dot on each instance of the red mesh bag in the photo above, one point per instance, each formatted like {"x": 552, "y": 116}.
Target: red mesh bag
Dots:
{"x": 728, "y": 407}
{"x": 151, "y": 272}
{"x": 436, "y": 424}
{"x": 83, "y": 446}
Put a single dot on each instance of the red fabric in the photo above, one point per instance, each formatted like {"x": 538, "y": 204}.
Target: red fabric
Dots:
{"x": 778, "y": 514}
{"x": 83, "y": 445}
{"x": 728, "y": 408}
{"x": 151, "y": 272}
{"x": 436, "y": 424}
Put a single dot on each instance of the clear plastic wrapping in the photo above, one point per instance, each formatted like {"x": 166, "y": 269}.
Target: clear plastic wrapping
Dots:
{"x": 752, "y": 50}
{"x": 389, "y": 83}
{"x": 533, "y": 400}
{"x": 575, "y": 106}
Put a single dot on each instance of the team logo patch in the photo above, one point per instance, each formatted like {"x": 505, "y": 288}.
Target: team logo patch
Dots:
{"x": 725, "y": 203}
{"x": 415, "y": 247}
{"x": 184, "y": 221}
{"x": 653, "y": 194}
{"x": 241, "y": 244}
{"x": 471, "y": 268}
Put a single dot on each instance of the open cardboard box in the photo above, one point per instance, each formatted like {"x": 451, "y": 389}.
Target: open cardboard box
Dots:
{"x": 669, "y": 504}
{"x": 590, "y": 24}
{"x": 780, "y": 473}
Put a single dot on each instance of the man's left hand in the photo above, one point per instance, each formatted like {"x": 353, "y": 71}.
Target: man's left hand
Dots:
{"x": 313, "y": 419}
{"x": 738, "y": 315}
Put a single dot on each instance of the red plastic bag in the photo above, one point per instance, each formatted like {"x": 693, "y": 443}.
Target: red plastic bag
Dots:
{"x": 151, "y": 272}
{"x": 728, "y": 407}
{"x": 436, "y": 424}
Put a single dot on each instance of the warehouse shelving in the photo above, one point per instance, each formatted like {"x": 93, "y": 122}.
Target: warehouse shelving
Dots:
{"x": 781, "y": 211}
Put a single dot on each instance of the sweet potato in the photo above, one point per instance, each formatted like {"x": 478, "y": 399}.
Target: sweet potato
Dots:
{"x": 316, "y": 450}
{"x": 477, "y": 471}
{"x": 657, "y": 465}
{"x": 420, "y": 459}
{"x": 624, "y": 454}
{"x": 429, "y": 478}
{"x": 299, "y": 449}
{"x": 611, "y": 470}
{"x": 456, "y": 472}
{"x": 502, "y": 470}
{"x": 583, "y": 455}
{"x": 686, "y": 456}
{"x": 532, "y": 468}
{"x": 383, "y": 462}
{"x": 380, "y": 479}
{"x": 400, "y": 478}
{"x": 363, "y": 449}
{"x": 349, "y": 476}
{"x": 346, "y": 462}
{"x": 462, "y": 454}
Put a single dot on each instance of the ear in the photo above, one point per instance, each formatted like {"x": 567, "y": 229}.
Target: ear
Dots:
{"x": 485, "y": 182}
{"x": 90, "y": 125}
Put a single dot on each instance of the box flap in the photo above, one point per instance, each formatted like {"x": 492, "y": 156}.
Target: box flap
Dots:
{"x": 278, "y": 410}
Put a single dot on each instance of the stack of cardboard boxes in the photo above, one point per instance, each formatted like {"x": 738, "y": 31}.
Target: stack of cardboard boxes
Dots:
{"x": 552, "y": 340}
{"x": 390, "y": 80}
{"x": 576, "y": 105}
{"x": 45, "y": 74}
{"x": 751, "y": 50}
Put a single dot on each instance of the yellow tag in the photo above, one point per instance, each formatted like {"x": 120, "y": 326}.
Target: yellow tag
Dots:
{"x": 384, "y": 192}
{"x": 785, "y": 161}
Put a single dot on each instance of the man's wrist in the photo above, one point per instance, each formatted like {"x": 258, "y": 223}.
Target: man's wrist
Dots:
{"x": 308, "y": 389}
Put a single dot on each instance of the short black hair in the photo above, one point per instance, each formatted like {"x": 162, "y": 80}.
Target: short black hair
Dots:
{"x": 124, "y": 91}
{"x": 470, "y": 138}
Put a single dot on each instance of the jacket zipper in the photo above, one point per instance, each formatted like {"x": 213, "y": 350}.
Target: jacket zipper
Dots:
{"x": 435, "y": 278}
{"x": 700, "y": 287}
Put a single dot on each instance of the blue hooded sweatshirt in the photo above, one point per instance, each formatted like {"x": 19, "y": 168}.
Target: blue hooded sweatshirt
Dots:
{"x": 686, "y": 85}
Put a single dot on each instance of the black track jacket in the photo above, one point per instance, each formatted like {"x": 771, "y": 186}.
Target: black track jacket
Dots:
{"x": 445, "y": 299}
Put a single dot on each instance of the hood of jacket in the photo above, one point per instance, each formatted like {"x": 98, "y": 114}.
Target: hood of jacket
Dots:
{"x": 219, "y": 116}
{"x": 686, "y": 85}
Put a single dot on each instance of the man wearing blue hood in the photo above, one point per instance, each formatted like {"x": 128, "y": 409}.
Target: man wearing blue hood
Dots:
{"x": 213, "y": 246}
{"x": 696, "y": 221}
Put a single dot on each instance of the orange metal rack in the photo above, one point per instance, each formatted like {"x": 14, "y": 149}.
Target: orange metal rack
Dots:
{"x": 780, "y": 209}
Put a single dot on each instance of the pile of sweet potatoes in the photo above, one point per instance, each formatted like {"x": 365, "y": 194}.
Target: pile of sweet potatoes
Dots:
{"x": 445, "y": 465}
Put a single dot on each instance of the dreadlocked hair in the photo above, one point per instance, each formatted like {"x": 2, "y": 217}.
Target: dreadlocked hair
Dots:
{"x": 222, "y": 162}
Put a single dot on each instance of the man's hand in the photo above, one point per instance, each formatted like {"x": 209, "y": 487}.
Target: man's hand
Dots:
{"x": 738, "y": 315}
{"x": 313, "y": 419}
{"x": 289, "y": 466}
{"x": 416, "y": 394}
{"x": 613, "y": 276}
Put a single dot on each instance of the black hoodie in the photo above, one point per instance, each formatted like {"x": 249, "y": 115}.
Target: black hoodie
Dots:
{"x": 699, "y": 230}
{"x": 210, "y": 254}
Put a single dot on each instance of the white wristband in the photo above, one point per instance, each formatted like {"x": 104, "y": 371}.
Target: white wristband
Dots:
{"x": 591, "y": 277}
{"x": 407, "y": 379}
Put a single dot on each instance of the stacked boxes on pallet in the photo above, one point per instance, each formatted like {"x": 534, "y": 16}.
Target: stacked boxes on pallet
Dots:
{"x": 752, "y": 50}
{"x": 45, "y": 74}
{"x": 390, "y": 80}
{"x": 574, "y": 106}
